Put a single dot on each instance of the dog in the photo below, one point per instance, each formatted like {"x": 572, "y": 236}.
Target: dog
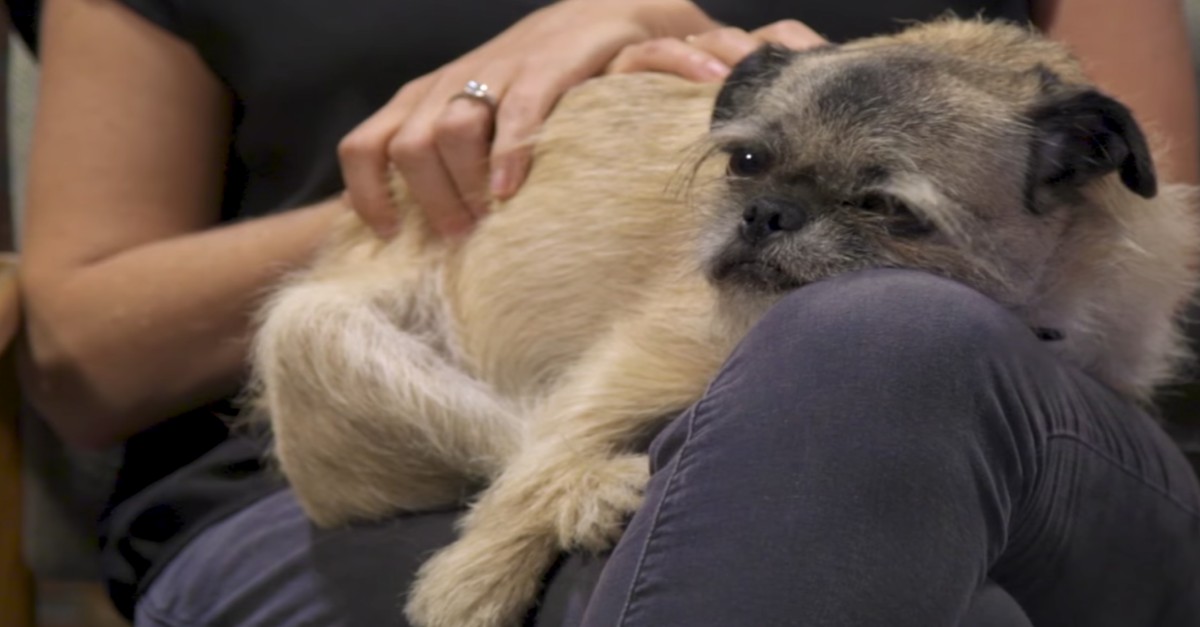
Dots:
{"x": 523, "y": 369}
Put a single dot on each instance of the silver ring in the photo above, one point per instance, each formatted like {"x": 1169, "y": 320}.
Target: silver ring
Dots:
{"x": 476, "y": 90}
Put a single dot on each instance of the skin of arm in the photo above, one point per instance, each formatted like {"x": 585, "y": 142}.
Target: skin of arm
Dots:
{"x": 1138, "y": 51}
{"x": 137, "y": 304}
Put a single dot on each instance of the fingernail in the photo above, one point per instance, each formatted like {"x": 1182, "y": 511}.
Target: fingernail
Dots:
{"x": 748, "y": 46}
{"x": 716, "y": 69}
{"x": 500, "y": 181}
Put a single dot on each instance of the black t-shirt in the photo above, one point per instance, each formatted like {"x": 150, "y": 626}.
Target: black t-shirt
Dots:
{"x": 303, "y": 73}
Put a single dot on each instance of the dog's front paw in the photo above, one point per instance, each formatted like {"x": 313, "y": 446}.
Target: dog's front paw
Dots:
{"x": 483, "y": 580}
{"x": 491, "y": 576}
{"x": 596, "y": 498}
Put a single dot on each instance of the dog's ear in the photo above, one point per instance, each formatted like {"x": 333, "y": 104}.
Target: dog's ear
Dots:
{"x": 1082, "y": 135}
{"x": 750, "y": 75}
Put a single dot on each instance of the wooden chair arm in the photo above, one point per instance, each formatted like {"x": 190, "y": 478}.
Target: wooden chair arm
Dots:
{"x": 16, "y": 583}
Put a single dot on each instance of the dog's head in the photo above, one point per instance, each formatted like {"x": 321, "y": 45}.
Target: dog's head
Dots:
{"x": 965, "y": 148}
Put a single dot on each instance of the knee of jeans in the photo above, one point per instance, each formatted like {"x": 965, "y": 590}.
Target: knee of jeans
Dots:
{"x": 885, "y": 338}
{"x": 876, "y": 359}
{"x": 904, "y": 315}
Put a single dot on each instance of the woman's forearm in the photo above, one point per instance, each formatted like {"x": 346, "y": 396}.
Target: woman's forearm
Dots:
{"x": 121, "y": 343}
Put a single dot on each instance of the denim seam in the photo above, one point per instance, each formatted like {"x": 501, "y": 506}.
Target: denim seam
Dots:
{"x": 1121, "y": 466}
{"x": 677, "y": 463}
{"x": 159, "y": 615}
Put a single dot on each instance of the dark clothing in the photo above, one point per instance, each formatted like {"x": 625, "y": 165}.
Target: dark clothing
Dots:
{"x": 303, "y": 73}
{"x": 882, "y": 446}
{"x": 885, "y": 448}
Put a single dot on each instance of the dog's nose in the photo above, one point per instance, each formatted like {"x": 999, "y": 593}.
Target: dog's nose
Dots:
{"x": 766, "y": 217}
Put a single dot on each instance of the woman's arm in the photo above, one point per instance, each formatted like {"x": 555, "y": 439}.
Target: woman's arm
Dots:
{"x": 136, "y": 308}
{"x": 1138, "y": 51}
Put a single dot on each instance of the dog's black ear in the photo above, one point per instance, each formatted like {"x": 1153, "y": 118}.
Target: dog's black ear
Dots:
{"x": 1082, "y": 135}
{"x": 751, "y": 74}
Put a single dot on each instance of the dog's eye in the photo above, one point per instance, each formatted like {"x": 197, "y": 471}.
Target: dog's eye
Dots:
{"x": 885, "y": 205}
{"x": 901, "y": 219}
{"x": 748, "y": 162}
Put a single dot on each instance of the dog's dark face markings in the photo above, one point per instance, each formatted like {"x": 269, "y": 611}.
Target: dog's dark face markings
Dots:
{"x": 840, "y": 159}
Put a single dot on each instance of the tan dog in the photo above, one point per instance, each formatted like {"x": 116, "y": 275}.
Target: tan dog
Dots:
{"x": 533, "y": 358}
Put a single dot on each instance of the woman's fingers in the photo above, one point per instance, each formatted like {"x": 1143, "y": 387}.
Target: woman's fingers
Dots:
{"x": 518, "y": 117}
{"x": 453, "y": 153}
{"x": 532, "y": 93}
{"x": 463, "y": 134}
{"x": 730, "y": 45}
{"x": 709, "y": 55}
{"x": 444, "y": 150}
{"x": 704, "y": 57}
{"x": 791, "y": 34}
{"x": 413, "y": 150}
{"x": 672, "y": 56}
{"x": 366, "y": 170}
{"x": 463, "y": 126}
{"x": 365, "y": 173}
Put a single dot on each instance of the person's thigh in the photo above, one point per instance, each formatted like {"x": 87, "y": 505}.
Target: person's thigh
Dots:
{"x": 879, "y": 446}
{"x": 1110, "y": 531}
{"x": 267, "y": 565}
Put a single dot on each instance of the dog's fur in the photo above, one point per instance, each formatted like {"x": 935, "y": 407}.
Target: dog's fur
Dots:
{"x": 536, "y": 357}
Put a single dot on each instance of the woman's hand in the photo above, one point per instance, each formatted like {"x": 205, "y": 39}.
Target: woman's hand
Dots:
{"x": 724, "y": 46}
{"x": 455, "y": 154}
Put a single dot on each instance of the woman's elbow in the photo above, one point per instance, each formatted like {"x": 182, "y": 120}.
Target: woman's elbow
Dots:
{"x": 54, "y": 386}
{"x": 58, "y": 383}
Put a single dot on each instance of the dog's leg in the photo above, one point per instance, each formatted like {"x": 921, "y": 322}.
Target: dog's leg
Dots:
{"x": 369, "y": 415}
{"x": 579, "y": 479}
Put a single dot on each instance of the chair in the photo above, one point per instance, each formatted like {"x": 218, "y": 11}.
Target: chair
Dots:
{"x": 16, "y": 581}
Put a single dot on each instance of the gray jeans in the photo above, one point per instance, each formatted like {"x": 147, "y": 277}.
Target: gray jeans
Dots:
{"x": 885, "y": 448}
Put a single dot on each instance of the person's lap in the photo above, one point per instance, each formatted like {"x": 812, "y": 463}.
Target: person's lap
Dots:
{"x": 1118, "y": 481}
{"x": 268, "y": 566}
{"x": 879, "y": 447}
